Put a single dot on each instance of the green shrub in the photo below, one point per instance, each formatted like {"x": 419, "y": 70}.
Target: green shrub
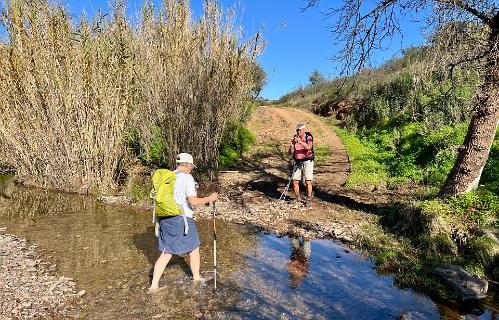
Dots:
{"x": 436, "y": 172}
{"x": 237, "y": 139}
{"x": 132, "y": 141}
{"x": 153, "y": 154}
{"x": 412, "y": 151}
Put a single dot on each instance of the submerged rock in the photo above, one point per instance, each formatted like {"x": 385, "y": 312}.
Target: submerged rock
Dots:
{"x": 468, "y": 287}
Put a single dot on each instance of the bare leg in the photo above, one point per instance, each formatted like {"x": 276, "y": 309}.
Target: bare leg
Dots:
{"x": 159, "y": 267}
{"x": 309, "y": 188}
{"x": 195, "y": 262}
{"x": 296, "y": 188}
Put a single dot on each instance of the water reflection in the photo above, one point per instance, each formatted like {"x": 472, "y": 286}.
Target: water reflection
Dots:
{"x": 299, "y": 260}
{"x": 28, "y": 204}
{"x": 110, "y": 252}
{"x": 6, "y": 186}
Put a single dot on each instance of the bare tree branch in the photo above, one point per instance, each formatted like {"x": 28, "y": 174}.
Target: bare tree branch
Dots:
{"x": 466, "y": 7}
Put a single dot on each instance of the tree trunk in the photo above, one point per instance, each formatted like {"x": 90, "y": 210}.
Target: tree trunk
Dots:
{"x": 472, "y": 156}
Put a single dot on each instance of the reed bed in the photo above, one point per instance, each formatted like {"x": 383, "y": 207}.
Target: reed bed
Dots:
{"x": 72, "y": 92}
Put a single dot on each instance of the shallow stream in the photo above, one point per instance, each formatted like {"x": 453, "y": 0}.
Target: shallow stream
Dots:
{"x": 110, "y": 251}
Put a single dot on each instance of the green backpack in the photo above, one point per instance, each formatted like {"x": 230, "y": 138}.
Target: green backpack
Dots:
{"x": 163, "y": 181}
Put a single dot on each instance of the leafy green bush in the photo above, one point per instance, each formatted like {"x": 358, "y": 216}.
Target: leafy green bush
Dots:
{"x": 433, "y": 100}
{"x": 152, "y": 154}
{"x": 157, "y": 148}
{"x": 237, "y": 139}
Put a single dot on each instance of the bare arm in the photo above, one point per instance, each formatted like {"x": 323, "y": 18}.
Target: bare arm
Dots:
{"x": 196, "y": 201}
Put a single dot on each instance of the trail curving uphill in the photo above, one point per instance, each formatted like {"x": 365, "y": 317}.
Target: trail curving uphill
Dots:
{"x": 250, "y": 192}
{"x": 274, "y": 128}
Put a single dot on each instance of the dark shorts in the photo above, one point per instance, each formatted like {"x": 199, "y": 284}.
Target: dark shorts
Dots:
{"x": 171, "y": 237}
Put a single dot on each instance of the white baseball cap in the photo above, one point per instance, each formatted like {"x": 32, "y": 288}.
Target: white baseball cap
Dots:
{"x": 185, "y": 158}
{"x": 300, "y": 126}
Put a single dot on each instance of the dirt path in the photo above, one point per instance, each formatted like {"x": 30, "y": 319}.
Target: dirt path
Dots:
{"x": 274, "y": 128}
{"x": 250, "y": 194}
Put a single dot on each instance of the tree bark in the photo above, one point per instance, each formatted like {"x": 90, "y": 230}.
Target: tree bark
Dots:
{"x": 472, "y": 156}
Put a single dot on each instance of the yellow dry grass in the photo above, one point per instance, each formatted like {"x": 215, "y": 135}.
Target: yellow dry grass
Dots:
{"x": 69, "y": 90}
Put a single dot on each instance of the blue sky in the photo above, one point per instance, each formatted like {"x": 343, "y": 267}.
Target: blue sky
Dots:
{"x": 297, "y": 42}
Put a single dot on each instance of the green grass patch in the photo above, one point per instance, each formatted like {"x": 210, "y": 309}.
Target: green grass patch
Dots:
{"x": 396, "y": 153}
{"x": 366, "y": 166}
{"x": 413, "y": 152}
{"x": 322, "y": 153}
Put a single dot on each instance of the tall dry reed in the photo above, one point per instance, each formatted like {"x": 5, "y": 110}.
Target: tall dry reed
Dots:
{"x": 70, "y": 90}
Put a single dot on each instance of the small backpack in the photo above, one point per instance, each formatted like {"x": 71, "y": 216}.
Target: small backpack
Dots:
{"x": 163, "y": 181}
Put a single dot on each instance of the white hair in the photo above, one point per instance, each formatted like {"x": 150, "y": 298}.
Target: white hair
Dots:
{"x": 185, "y": 164}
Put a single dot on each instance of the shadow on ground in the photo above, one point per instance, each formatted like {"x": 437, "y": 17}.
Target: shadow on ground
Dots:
{"x": 145, "y": 243}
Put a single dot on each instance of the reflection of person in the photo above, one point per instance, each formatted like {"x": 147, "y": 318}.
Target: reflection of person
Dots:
{"x": 299, "y": 263}
{"x": 171, "y": 238}
{"x": 302, "y": 149}
{"x": 6, "y": 187}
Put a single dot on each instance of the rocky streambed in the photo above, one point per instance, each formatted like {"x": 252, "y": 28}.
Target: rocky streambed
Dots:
{"x": 279, "y": 217}
{"x": 30, "y": 287}
{"x": 283, "y": 218}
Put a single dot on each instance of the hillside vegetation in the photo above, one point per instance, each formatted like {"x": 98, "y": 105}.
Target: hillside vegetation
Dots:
{"x": 402, "y": 127}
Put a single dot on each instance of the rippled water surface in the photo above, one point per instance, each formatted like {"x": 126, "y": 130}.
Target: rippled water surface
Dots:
{"x": 109, "y": 251}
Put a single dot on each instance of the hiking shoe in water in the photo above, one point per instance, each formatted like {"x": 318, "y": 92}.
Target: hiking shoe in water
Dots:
{"x": 156, "y": 290}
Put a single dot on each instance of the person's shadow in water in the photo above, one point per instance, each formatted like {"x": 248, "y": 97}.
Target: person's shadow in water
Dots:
{"x": 146, "y": 243}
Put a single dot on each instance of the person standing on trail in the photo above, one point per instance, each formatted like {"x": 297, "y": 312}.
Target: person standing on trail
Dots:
{"x": 302, "y": 149}
{"x": 172, "y": 237}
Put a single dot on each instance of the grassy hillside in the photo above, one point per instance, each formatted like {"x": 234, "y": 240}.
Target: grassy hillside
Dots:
{"x": 403, "y": 131}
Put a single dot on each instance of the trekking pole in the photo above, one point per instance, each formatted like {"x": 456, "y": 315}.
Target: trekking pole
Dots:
{"x": 286, "y": 189}
{"x": 214, "y": 244}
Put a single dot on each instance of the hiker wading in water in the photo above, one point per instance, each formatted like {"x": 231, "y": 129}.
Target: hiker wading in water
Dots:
{"x": 302, "y": 149}
{"x": 178, "y": 234}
